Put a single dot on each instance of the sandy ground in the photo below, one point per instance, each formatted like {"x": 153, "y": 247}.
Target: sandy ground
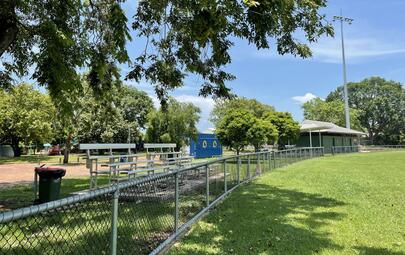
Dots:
{"x": 11, "y": 174}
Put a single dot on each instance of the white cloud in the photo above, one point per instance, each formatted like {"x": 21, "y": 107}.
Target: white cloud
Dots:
{"x": 305, "y": 98}
{"x": 205, "y": 104}
{"x": 358, "y": 49}
{"x": 329, "y": 50}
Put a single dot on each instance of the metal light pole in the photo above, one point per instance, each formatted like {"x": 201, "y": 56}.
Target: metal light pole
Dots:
{"x": 346, "y": 97}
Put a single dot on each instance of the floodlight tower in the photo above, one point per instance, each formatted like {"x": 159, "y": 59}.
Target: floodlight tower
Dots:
{"x": 346, "y": 96}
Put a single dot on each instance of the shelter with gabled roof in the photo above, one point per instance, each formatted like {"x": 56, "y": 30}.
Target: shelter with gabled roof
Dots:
{"x": 326, "y": 134}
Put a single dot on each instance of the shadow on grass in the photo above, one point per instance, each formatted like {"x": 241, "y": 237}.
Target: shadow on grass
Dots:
{"x": 376, "y": 251}
{"x": 265, "y": 219}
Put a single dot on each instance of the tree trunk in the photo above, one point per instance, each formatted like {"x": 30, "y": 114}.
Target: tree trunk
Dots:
{"x": 26, "y": 148}
{"x": 15, "y": 144}
{"x": 67, "y": 149}
{"x": 8, "y": 24}
{"x": 371, "y": 137}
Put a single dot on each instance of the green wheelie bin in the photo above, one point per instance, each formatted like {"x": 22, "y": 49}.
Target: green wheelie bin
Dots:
{"x": 50, "y": 179}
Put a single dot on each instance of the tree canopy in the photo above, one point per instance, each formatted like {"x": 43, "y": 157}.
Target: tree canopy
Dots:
{"x": 29, "y": 116}
{"x": 196, "y": 37}
{"x": 288, "y": 129}
{"x": 255, "y": 107}
{"x": 330, "y": 111}
{"x": 175, "y": 124}
{"x": 233, "y": 129}
{"x": 264, "y": 124}
{"x": 115, "y": 119}
{"x": 262, "y": 132}
{"x": 26, "y": 116}
{"x": 60, "y": 38}
{"x": 380, "y": 105}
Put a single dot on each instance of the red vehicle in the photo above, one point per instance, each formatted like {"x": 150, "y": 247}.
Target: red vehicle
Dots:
{"x": 54, "y": 150}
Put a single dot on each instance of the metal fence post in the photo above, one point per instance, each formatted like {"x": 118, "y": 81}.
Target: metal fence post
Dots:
{"x": 291, "y": 156}
{"x": 283, "y": 158}
{"x": 248, "y": 167}
{"x": 176, "y": 213}
{"x": 114, "y": 221}
{"x": 269, "y": 157}
{"x": 35, "y": 185}
{"x": 238, "y": 169}
{"x": 207, "y": 183}
{"x": 225, "y": 184}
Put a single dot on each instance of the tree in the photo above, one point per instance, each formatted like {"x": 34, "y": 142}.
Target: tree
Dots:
{"x": 233, "y": 129}
{"x": 61, "y": 37}
{"x": 135, "y": 105}
{"x": 261, "y": 132}
{"x": 257, "y": 108}
{"x": 381, "y": 107}
{"x": 26, "y": 117}
{"x": 288, "y": 129}
{"x": 332, "y": 111}
{"x": 120, "y": 113}
{"x": 58, "y": 38}
{"x": 196, "y": 36}
{"x": 175, "y": 124}
{"x": 113, "y": 120}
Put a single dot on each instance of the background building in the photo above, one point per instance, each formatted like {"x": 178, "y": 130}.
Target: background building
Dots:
{"x": 327, "y": 135}
{"x": 206, "y": 146}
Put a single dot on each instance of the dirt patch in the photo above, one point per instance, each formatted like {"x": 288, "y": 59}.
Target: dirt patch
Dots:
{"x": 12, "y": 174}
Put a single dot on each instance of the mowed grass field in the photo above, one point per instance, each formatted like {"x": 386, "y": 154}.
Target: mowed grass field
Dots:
{"x": 346, "y": 204}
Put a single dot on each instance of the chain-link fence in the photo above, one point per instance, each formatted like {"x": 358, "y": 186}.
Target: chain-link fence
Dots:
{"x": 345, "y": 149}
{"x": 358, "y": 148}
{"x": 382, "y": 147}
{"x": 136, "y": 216}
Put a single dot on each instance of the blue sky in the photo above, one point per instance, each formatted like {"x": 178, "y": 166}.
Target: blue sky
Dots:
{"x": 374, "y": 46}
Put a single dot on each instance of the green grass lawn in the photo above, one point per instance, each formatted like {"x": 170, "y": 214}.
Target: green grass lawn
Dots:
{"x": 22, "y": 195}
{"x": 347, "y": 204}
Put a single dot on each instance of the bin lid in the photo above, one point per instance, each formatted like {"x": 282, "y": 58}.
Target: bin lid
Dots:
{"x": 55, "y": 172}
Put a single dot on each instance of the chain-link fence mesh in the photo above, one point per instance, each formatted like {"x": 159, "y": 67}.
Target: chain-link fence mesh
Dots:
{"x": 216, "y": 180}
{"x": 345, "y": 149}
{"x": 146, "y": 215}
{"x": 78, "y": 228}
{"x": 135, "y": 216}
{"x": 192, "y": 193}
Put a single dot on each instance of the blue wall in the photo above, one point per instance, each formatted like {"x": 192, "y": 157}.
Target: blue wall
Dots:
{"x": 206, "y": 146}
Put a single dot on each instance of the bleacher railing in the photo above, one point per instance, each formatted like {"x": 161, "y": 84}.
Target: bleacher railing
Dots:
{"x": 139, "y": 216}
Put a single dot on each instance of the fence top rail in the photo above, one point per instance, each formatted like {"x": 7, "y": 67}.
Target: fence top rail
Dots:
{"x": 106, "y": 146}
{"x": 376, "y": 146}
{"x": 347, "y": 146}
{"x": 36, "y": 209}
